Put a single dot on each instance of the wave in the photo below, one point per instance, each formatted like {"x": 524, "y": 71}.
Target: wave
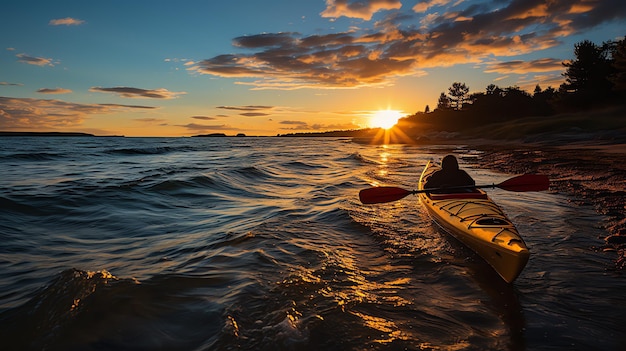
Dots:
{"x": 174, "y": 185}
{"x": 95, "y": 310}
{"x": 37, "y": 156}
{"x": 151, "y": 150}
{"x": 300, "y": 165}
{"x": 361, "y": 159}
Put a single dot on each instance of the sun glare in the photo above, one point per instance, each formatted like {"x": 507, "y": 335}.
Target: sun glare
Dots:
{"x": 385, "y": 118}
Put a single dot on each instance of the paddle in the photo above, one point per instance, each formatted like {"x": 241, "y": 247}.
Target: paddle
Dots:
{"x": 522, "y": 183}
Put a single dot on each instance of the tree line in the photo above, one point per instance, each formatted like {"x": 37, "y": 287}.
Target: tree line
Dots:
{"x": 596, "y": 77}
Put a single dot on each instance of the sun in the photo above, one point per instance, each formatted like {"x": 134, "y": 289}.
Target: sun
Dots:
{"x": 384, "y": 118}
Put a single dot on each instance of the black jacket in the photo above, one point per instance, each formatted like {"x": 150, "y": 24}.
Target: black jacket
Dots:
{"x": 449, "y": 178}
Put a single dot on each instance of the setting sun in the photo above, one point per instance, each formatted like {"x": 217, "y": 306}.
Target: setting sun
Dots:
{"x": 385, "y": 119}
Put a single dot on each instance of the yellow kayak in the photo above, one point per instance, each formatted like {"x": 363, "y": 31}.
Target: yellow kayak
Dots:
{"x": 475, "y": 220}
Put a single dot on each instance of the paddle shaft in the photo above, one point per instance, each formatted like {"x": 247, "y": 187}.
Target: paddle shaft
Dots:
{"x": 526, "y": 182}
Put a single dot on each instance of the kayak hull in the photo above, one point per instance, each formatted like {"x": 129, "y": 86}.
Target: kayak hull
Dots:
{"x": 480, "y": 224}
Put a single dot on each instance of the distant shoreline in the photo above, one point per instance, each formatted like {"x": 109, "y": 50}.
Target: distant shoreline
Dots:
{"x": 54, "y": 134}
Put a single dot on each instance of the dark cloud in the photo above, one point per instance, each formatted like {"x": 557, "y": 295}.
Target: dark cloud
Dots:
{"x": 264, "y": 40}
{"x": 11, "y": 84}
{"x": 40, "y": 113}
{"x": 317, "y": 61}
{"x": 129, "y": 106}
{"x": 435, "y": 33}
{"x": 254, "y": 114}
{"x": 54, "y": 91}
{"x": 37, "y": 61}
{"x": 204, "y": 118}
{"x": 152, "y": 121}
{"x": 293, "y": 122}
{"x": 246, "y": 108}
{"x": 128, "y": 92}
{"x": 523, "y": 67}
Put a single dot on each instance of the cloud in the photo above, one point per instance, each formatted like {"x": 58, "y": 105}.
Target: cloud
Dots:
{"x": 11, "y": 84}
{"x": 543, "y": 80}
{"x": 130, "y": 106}
{"x": 363, "y": 9}
{"x": 68, "y": 21}
{"x": 39, "y": 113}
{"x": 148, "y": 120}
{"x": 292, "y": 62}
{"x": 254, "y": 114}
{"x": 423, "y": 6}
{"x": 204, "y": 118}
{"x": 128, "y": 92}
{"x": 54, "y": 91}
{"x": 447, "y": 33}
{"x": 523, "y": 67}
{"x": 246, "y": 108}
{"x": 37, "y": 61}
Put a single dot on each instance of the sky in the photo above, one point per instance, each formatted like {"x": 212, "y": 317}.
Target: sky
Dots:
{"x": 183, "y": 68}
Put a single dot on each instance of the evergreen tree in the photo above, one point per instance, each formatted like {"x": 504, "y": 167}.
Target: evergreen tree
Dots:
{"x": 444, "y": 102}
{"x": 458, "y": 95}
{"x": 618, "y": 78}
{"x": 586, "y": 77}
{"x": 493, "y": 89}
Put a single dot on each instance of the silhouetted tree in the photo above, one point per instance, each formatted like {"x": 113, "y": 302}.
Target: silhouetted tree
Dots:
{"x": 493, "y": 89}
{"x": 458, "y": 95}
{"x": 618, "y": 78}
{"x": 444, "y": 102}
{"x": 542, "y": 101}
{"x": 427, "y": 109}
{"x": 586, "y": 77}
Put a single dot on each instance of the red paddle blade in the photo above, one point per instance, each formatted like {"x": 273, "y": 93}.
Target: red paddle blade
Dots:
{"x": 382, "y": 194}
{"x": 526, "y": 182}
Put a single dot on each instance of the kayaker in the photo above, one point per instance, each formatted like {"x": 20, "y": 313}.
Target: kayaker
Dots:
{"x": 449, "y": 176}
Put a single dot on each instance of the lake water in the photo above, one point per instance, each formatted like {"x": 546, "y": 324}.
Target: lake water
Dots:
{"x": 262, "y": 244}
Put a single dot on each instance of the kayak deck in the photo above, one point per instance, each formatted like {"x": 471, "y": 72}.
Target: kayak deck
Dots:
{"x": 479, "y": 223}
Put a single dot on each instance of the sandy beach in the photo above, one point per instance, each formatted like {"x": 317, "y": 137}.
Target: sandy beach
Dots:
{"x": 590, "y": 169}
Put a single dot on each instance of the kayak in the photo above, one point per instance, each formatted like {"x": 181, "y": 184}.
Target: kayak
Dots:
{"x": 480, "y": 224}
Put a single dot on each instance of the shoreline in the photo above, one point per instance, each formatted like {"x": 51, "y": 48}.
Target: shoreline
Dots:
{"x": 592, "y": 172}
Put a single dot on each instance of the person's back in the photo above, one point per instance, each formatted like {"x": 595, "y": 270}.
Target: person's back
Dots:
{"x": 449, "y": 176}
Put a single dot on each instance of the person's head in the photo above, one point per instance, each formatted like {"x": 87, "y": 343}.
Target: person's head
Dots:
{"x": 449, "y": 163}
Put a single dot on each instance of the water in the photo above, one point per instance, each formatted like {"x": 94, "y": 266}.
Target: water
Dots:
{"x": 262, "y": 244}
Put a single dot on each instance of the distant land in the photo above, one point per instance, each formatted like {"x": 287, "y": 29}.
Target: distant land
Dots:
{"x": 54, "y": 134}
{"x": 215, "y": 135}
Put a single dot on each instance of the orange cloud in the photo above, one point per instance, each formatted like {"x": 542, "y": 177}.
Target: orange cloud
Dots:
{"x": 581, "y": 8}
{"x": 423, "y": 6}
{"x": 16, "y": 113}
{"x": 533, "y": 11}
{"x": 363, "y": 9}
{"x": 68, "y": 21}
{"x": 395, "y": 47}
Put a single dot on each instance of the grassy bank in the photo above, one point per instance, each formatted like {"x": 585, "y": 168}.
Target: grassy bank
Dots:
{"x": 608, "y": 123}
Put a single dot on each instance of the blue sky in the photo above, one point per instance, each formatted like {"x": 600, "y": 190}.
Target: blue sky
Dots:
{"x": 179, "y": 68}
